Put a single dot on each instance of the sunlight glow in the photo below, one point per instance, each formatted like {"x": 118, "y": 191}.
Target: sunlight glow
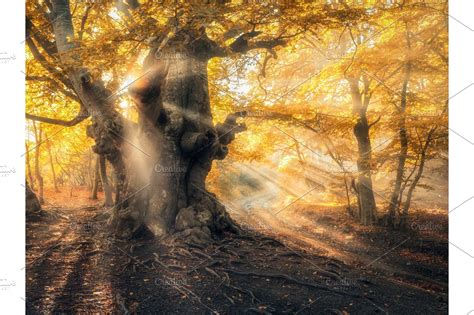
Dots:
{"x": 129, "y": 79}
{"x": 113, "y": 13}
{"x": 106, "y": 76}
{"x": 123, "y": 104}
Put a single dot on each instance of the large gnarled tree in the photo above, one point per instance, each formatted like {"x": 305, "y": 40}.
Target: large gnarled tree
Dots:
{"x": 160, "y": 179}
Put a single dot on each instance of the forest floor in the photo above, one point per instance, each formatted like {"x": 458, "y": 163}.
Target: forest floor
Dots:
{"x": 309, "y": 261}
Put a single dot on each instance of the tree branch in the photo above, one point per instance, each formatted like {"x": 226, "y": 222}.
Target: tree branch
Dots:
{"x": 81, "y": 116}
{"x": 374, "y": 122}
{"x": 45, "y": 63}
{"x": 32, "y": 31}
{"x": 80, "y": 33}
{"x": 244, "y": 44}
{"x": 56, "y": 85}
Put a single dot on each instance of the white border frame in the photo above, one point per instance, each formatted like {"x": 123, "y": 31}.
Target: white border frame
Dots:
{"x": 12, "y": 218}
{"x": 12, "y": 176}
{"x": 461, "y": 149}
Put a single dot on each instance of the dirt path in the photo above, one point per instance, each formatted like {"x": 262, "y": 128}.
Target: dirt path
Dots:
{"x": 64, "y": 270}
{"x": 73, "y": 266}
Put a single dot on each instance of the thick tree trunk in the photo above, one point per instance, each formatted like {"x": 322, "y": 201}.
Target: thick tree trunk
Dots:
{"x": 364, "y": 180}
{"x": 367, "y": 206}
{"x": 160, "y": 181}
{"x": 176, "y": 128}
{"x": 108, "y": 126}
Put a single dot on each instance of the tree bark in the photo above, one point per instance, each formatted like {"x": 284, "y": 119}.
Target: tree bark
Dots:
{"x": 32, "y": 204}
{"x": 361, "y": 131}
{"x": 51, "y": 164}
{"x": 340, "y": 162}
{"x": 348, "y": 196}
{"x": 95, "y": 183}
{"x": 364, "y": 182}
{"x": 28, "y": 167}
{"x": 160, "y": 178}
{"x": 176, "y": 126}
{"x": 108, "y": 200}
{"x": 402, "y": 156}
{"x": 90, "y": 171}
{"x": 416, "y": 179}
{"x": 108, "y": 126}
{"x": 39, "y": 177}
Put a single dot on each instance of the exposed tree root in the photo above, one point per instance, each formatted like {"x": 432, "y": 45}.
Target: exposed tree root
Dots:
{"x": 204, "y": 221}
{"x": 290, "y": 279}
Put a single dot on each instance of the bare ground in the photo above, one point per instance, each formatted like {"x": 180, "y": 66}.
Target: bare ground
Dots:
{"x": 323, "y": 263}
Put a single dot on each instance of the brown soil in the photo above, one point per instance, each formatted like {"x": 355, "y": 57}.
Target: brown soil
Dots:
{"x": 74, "y": 266}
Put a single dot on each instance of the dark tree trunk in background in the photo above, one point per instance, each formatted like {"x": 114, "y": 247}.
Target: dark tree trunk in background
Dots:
{"x": 340, "y": 162}
{"x": 32, "y": 204}
{"x": 28, "y": 167}
{"x": 361, "y": 132}
{"x": 108, "y": 199}
{"x": 364, "y": 180}
{"x": 416, "y": 179}
{"x": 39, "y": 177}
{"x": 51, "y": 164}
{"x": 90, "y": 182}
{"x": 402, "y": 156}
{"x": 348, "y": 195}
{"x": 95, "y": 183}
{"x": 393, "y": 207}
